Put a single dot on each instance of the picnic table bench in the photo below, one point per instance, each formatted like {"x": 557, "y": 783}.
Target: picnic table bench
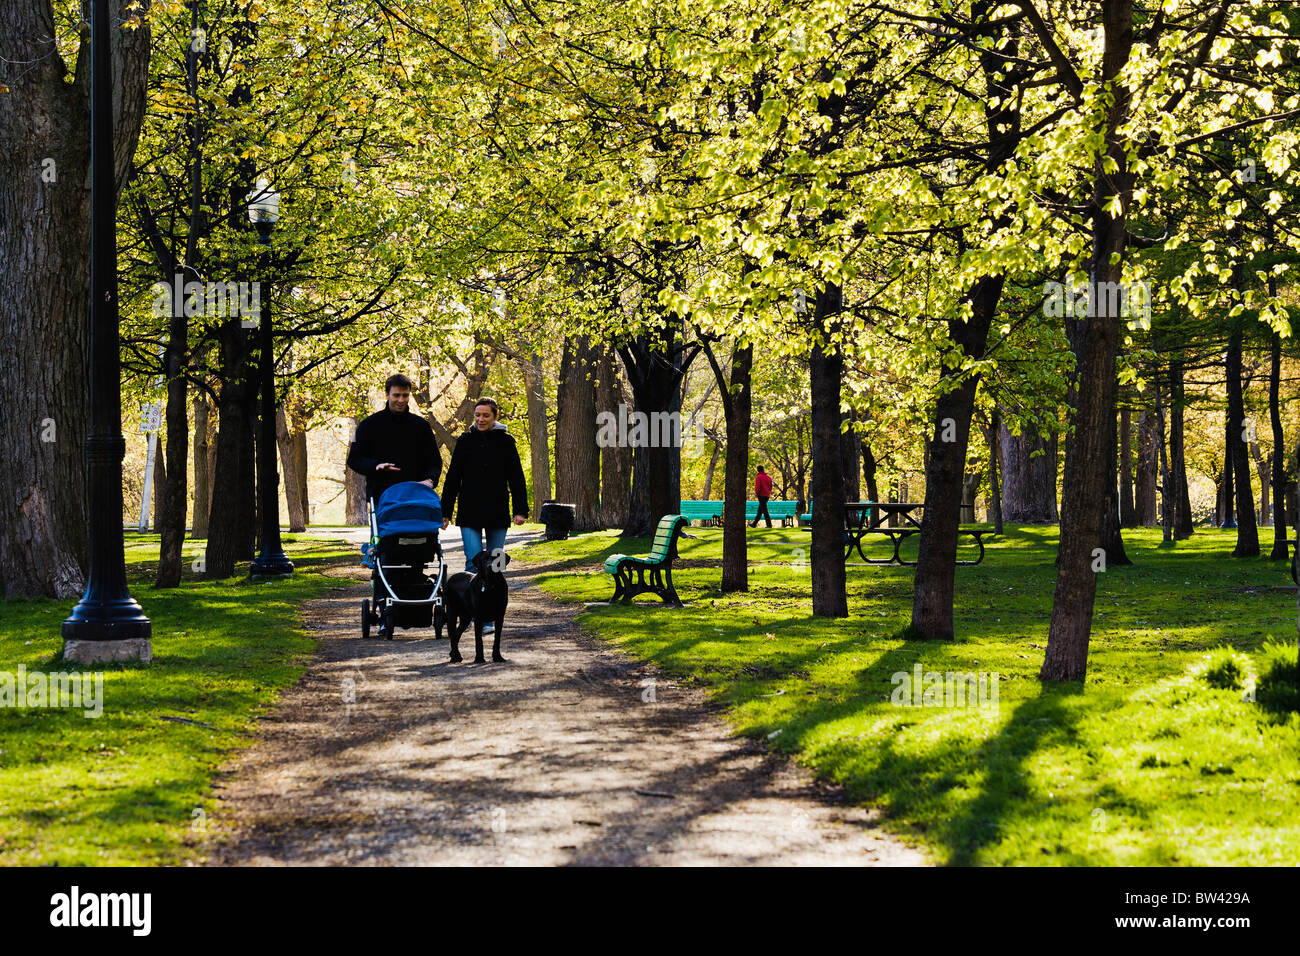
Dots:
{"x": 629, "y": 571}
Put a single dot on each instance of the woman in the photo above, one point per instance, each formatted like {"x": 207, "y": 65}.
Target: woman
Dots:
{"x": 485, "y": 477}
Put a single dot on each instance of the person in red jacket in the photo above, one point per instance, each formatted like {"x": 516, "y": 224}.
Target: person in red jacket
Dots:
{"x": 762, "y": 491}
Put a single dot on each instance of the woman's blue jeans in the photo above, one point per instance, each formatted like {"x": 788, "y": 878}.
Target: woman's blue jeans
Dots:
{"x": 472, "y": 539}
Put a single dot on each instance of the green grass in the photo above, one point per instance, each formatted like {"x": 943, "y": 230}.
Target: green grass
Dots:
{"x": 130, "y": 787}
{"x": 1146, "y": 763}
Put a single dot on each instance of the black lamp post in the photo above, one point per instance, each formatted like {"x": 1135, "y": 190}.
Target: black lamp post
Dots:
{"x": 107, "y": 624}
{"x": 271, "y": 561}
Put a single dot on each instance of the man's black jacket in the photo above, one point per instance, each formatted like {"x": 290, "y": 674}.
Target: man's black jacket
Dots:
{"x": 402, "y": 438}
{"x": 484, "y": 480}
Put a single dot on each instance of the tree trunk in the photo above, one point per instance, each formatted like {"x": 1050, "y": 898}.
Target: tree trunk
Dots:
{"x": 869, "y": 473}
{"x": 1178, "y": 453}
{"x": 203, "y": 448}
{"x": 711, "y": 471}
{"x": 577, "y": 456}
{"x": 992, "y": 437}
{"x": 945, "y": 466}
{"x": 1112, "y": 539}
{"x": 1127, "y": 506}
{"x": 298, "y": 438}
{"x": 158, "y": 486}
{"x": 1168, "y": 493}
{"x": 171, "y": 510}
{"x": 44, "y": 287}
{"x": 850, "y": 448}
{"x": 655, "y": 365}
{"x": 1280, "y": 548}
{"x": 354, "y": 488}
{"x": 737, "y": 406}
{"x": 1239, "y": 457}
{"x": 1144, "y": 504}
{"x": 970, "y": 485}
{"x": 539, "y": 446}
{"x": 289, "y": 469}
{"x": 825, "y": 373}
{"x": 615, "y": 460}
{"x": 1028, "y": 479}
{"x": 231, "y": 511}
{"x": 1090, "y": 459}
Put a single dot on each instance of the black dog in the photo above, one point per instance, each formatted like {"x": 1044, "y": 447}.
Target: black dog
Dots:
{"x": 480, "y": 597}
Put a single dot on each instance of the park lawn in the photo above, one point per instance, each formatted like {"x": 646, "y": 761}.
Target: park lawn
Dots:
{"x": 130, "y": 787}
{"x": 1142, "y": 764}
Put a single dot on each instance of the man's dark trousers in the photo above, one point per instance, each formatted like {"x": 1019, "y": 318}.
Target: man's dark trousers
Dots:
{"x": 762, "y": 513}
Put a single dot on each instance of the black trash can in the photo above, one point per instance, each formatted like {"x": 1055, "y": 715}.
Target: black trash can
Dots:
{"x": 558, "y": 519}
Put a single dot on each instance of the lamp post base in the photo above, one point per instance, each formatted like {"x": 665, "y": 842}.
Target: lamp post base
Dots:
{"x": 270, "y": 566}
{"x": 108, "y": 652}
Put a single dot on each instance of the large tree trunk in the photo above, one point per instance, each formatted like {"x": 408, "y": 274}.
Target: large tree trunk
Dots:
{"x": 577, "y": 456}
{"x": 172, "y": 508}
{"x": 231, "y": 511}
{"x": 945, "y": 468}
{"x": 1280, "y": 551}
{"x": 1178, "y": 453}
{"x": 868, "y": 473}
{"x": 991, "y": 437}
{"x": 1090, "y": 458}
{"x": 616, "y": 460}
{"x": 539, "y": 446}
{"x": 354, "y": 493}
{"x": 158, "y": 486}
{"x": 289, "y": 469}
{"x": 825, "y": 373}
{"x": 655, "y": 366}
{"x": 1028, "y": 479}
{"x": 1247, "y": 531}
{"x": 1127, "y": 506}
{"x": 1168, "y": 494}
{"x": 1112, "y": 539}
{"x": 1144, "y": 504}
{"x": 203, "y": 449}
{"x": 737, "y": 406}
{"x": 44, "y": 287}
{"x": 850, "y": 449}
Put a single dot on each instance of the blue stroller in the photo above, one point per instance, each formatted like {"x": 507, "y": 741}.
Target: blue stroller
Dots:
{"x": 405, "y": 561}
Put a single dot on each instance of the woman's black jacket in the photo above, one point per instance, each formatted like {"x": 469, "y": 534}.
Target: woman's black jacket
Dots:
{"x": 484, "y": 467}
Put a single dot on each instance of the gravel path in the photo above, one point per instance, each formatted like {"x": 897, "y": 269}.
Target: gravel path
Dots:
{"x": 571, "y": 753}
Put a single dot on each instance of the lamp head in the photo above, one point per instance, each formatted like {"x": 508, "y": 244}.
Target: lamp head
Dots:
{"x": 263, "y": 205}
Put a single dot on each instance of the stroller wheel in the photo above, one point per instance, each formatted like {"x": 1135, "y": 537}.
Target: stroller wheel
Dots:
{"x": 365, "y": 619}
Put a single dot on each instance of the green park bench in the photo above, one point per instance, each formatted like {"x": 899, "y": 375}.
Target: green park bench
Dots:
{"x": 705, "y": 512}
{"x": 781, "y": 511}
{"x": 630, "y": 571}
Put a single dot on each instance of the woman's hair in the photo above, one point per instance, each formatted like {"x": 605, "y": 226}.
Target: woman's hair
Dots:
{"x": 490, "y": 403}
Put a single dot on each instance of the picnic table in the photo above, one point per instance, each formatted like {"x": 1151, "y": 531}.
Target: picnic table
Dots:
{"x": 863, "y": 518}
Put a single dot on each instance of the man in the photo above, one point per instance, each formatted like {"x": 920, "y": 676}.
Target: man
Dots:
{"x": 762, "y": 491}
{"x": 394, "y": 445}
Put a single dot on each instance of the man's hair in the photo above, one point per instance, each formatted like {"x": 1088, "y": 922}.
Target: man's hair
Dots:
{"x": 399, "y": 380}
{"x": 490, "y": 403}
{"x": 760, "y": 469}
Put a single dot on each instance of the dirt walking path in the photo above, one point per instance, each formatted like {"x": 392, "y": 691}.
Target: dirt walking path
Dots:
{"x": 384, "y": 753}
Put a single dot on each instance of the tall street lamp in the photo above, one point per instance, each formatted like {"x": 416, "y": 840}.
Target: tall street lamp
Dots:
{"x": 107, "y": 624}
{"x": 271, "y": 561}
